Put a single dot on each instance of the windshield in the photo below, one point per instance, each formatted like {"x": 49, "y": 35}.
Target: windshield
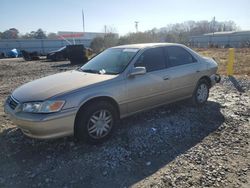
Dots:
{"x": 110, "y": 61}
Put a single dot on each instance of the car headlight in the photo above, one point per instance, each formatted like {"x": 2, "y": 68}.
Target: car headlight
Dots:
{"x": 43, "y": 107}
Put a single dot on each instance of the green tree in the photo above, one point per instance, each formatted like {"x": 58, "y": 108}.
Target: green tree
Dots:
{"x": 123, "y": 40}
{"x": 110, "y": 40}
{"x": 140, "y": 37}
{"x": 11, "y": 33}
{"x": 30, "y": 35}
{"x": 97, "y": 44}
{"x": 40, "y": 34}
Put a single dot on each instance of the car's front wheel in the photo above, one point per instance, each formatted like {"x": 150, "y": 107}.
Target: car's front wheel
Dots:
{"x": 95, "y": 122}
{"x": 201, "y": 93}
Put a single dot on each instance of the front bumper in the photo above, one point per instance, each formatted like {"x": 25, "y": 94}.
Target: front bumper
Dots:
{"x": 215, "y": 78}
{"x": 43, "y": 126}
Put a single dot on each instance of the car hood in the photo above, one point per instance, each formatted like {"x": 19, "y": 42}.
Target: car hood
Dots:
{"x": 44, "y": 88}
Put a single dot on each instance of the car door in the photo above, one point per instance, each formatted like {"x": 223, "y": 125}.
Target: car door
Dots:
{"x": 183, "y": 72}
{"x": 145, "y": 91}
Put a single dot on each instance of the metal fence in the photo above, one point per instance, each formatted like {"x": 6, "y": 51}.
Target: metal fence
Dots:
{"x": 42, "y": 46}
{"x": 235, "y": 40}
{"x": 220, "y": 44}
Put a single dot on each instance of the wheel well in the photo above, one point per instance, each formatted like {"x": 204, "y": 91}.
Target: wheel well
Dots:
{"x": 96, "y": 99}
{"x": 207, "y": 80}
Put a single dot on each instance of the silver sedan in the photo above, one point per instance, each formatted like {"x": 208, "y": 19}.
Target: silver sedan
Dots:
{"x": 117, "y": 83}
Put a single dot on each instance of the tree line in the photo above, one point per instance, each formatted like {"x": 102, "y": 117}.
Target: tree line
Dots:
{"x": 13, "y": 33}
{"x": 179, "y": 32}
{"x": 175, "y": 33}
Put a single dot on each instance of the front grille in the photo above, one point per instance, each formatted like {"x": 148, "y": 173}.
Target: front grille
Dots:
{"x": 12, "y": 102}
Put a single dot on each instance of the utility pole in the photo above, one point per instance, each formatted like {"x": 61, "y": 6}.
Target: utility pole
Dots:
{"x": 136, "y": 26}
{"x": 83, "y": 24}
{"x": 213, "y": 24}
{"x": 105, "y": 29}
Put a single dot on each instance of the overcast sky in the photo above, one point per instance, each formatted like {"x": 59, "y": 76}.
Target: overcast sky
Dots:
{"x": 66, "y": 15}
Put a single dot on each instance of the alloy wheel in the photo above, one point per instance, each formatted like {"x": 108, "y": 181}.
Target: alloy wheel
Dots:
{"x": 202, "y": 93}
{"x": 100, "y": 124}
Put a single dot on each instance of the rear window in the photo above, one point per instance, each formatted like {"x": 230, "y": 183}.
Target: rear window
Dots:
{"x": 178, "y": 56}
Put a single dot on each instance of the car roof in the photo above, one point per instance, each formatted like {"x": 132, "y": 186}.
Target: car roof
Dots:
{"x": 147, "y": 45}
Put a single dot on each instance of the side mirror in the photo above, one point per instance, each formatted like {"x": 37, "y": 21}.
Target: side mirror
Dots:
{"x": 137, "y": 71}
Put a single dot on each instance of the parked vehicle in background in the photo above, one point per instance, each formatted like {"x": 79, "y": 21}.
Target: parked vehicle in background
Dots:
{"x": 29, "y": 56}
{"x": 116, "y": 83}
{"x": 58, "y": 55}
{"x": 77, "y": 54}
{"x": 2, "y": 55}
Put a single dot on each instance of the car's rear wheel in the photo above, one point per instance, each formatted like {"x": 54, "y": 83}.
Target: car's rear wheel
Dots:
{"x": 201, "y": 93}
{"x": 95, "y": 122}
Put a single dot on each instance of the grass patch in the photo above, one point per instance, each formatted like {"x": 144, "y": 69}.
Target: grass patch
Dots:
{"x": 242, "y": 59}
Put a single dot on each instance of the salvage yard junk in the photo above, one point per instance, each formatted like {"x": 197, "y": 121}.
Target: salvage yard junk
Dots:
{"x": 58, "y": 55}
{"x": 29, "y": 56}
{"x": 77, "y": 54}
{"x": 44, "y": 46}
{"x": 13, "y": 53}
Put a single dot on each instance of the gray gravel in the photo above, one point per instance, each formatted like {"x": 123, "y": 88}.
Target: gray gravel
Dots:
{"x": 176, "y": 145}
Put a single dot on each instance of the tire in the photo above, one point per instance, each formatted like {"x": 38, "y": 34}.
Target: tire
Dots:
{"x": 201, "y": 93}
{"x": 90, "y": 123}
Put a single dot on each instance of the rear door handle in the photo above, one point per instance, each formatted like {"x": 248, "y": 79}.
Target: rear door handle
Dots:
{"x": 166, "y": 77}
{"x": 198, "y": 71}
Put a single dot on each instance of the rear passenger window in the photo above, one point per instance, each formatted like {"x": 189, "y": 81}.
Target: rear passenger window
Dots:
{"x": 178, "y": 56}
{"x": 153, "y": 59}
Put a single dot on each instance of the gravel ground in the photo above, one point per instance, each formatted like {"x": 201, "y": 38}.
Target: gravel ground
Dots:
{"x": 172, "y": 146}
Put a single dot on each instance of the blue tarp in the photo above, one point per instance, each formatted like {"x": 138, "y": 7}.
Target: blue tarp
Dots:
{"x": 13, "y": 53}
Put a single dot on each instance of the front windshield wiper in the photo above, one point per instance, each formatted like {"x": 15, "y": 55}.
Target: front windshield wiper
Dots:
{"x": 96, "y": 71}
{"x": 111, "y": 73}
{"x": 90, "y": 71}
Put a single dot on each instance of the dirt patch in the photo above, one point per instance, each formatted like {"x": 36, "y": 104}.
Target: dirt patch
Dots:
{"x": 173, "y": 146}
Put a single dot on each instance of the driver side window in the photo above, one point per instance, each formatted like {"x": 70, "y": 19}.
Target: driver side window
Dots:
{"x": 152, "y": 59}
